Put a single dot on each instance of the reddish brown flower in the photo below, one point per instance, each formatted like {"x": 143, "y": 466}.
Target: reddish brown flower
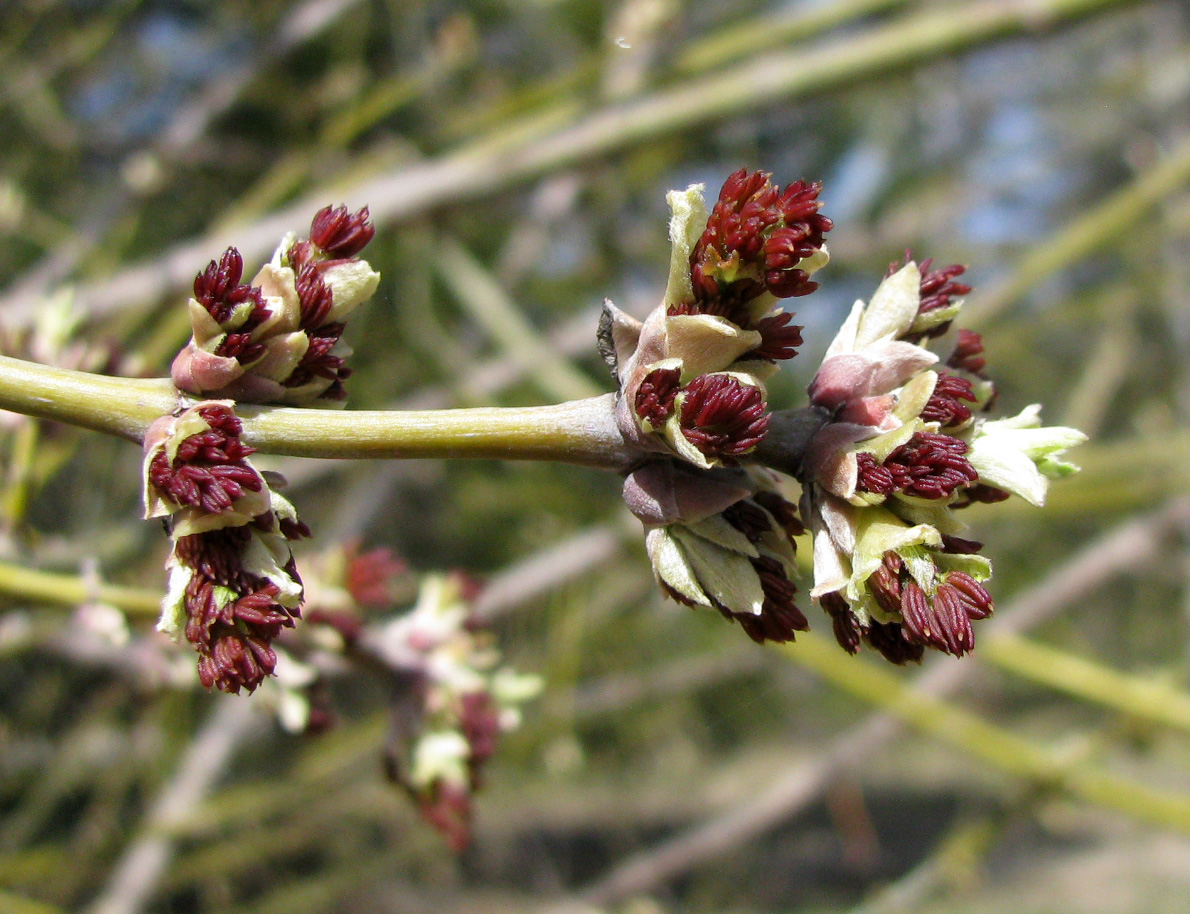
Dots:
{"x": 722, "y": 416}
{"x": 929, "y": 465}
{"x": 779, "y": 617}
{"x": 872, "y": 476}
{"x": 847, "y": 630}
{"x": 233, "y": 636}
{"x": 238, "y": 309}
{"x": 315, "y": 296}
{"x": 209, "y": 469}
{"x": 749, "y": 518}
{"x": 968, "y": 353}
{"x": 371, "y": 575}
{"x": 755, "y": 237}
{"x": 946, "y": 405}
{"x": 889, "y": 639}
{"x": 980, "y": 493}
{"x": 780, "y": 339}
{"x": 655, "y": 396}
{"x": 937, "y": 287}
{"x": 941, "y": 621}
{"x": 320, "y": 362}
{"x": 783, "y": 511}
{"x": 340, "y": 232}
{"x": 479, "y": 721}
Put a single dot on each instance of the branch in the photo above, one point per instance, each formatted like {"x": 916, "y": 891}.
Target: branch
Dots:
{"x": 579, "y": 432}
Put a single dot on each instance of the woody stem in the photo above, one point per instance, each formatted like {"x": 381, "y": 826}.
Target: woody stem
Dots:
{"x": 580, "y": 432}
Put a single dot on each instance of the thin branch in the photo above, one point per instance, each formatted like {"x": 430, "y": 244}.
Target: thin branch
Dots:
{"x": 582, "y": 432}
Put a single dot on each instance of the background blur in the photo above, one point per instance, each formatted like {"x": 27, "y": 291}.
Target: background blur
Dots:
{"x": 516, "y": 154}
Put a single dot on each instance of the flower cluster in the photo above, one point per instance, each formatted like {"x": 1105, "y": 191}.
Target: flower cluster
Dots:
{"x": 277, "y": 339}
{"x": 692, "y": 375}
{"x": 692, "y": 393}
{"x": 454, "y": 702}
{"x": 233, "y": 585}
{"x": 342, "y": 586}
{"x": 905, "y": 444}
{"x": 890, "y": 446}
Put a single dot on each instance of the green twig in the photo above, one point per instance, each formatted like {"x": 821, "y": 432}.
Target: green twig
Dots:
{"x": 18, "y": 904}
{"x": 761, "y": 33}
{"x": 1089, "y": 232}
{"x": 580, "y": 432}
{"x": 71, "y": 590}
{"x": 997, "y": 747}
{"x": 559, "y": 139}
{"x": 1148, "y": 699}
{"x": 489, "y": 305}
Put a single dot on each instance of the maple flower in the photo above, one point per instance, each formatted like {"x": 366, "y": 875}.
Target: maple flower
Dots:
{"x": 902, "y": 448}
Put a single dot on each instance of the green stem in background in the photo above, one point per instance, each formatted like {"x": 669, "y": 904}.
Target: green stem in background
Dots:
{"x": 765, "y": 32}
{"x": 1087, "y": 233}
{"x": 993, "y": 745}
{"x": 488, "y": 304}
{"x": 1152, "y": 699}
{"x": 21, "y": 583}
{"x": 23, "y": 458}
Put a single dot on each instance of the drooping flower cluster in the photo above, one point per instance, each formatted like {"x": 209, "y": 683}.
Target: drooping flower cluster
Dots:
{"x": 905, "y": 445}
{"x": 692, "y": 393}
{"x": 454, "y": 701}
{"x": 277, "y": 339}
{"x": 233, "y": 585}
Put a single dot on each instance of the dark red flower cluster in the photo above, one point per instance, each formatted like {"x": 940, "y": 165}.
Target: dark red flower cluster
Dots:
{"x": 937, "y": 288}
{"x": 763, "y": 514}
{"x": 230, "y": 604}
{"x": 779, "y": 616}
{"x": 371, "y": 576}
{"x": 337, "y": 236}
{"x": 233, "y": 634}
{"x": 941, "y": 620}
{"x": 968, "y": 353}
{"x": 722, "y": 416}
{"x": 232, "y": 615}
{"x": 209, "y": 470}
{"x": 946, "y": 405}
{"x": 237, "y": 308}
{"x": 656, "y": 393}
{"x": 755, "y": 237}
{"x": 341, "y": 233}
{"x": 928, "y": 465}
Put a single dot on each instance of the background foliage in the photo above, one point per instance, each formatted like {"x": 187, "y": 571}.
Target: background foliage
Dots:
{"x": 516, "y": 154}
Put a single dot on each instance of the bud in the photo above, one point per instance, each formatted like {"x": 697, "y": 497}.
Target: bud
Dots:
{"x": 278, "y": 338}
